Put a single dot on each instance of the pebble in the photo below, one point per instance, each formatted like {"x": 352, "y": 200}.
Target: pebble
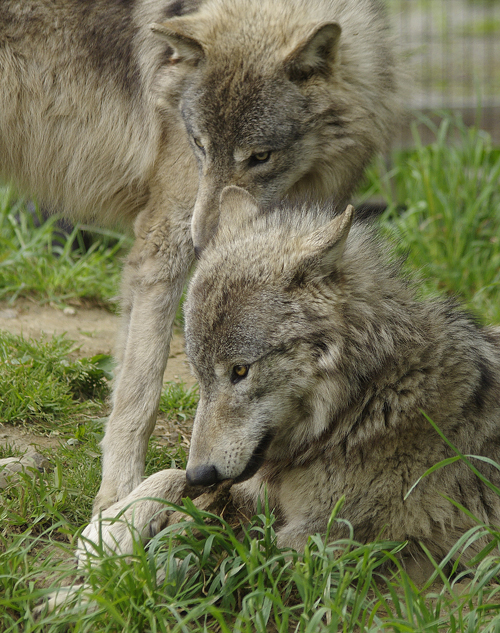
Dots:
{"x": 30, "y": 463}
{"x": 9, "y": 314}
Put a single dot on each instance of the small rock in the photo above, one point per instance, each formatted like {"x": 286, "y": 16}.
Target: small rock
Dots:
{"x": 9, "y": 314}
{"x": 69, "y": 311}
{"x": 30, "y": 463}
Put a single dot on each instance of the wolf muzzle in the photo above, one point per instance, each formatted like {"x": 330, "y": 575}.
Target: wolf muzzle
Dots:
{"x": 207, "y": 474}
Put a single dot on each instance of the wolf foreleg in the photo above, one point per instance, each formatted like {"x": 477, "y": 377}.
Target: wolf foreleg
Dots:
{"x": 154, "y": 278}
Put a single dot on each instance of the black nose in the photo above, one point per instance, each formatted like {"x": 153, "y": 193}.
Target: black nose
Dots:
{"x": 202, "y": 476}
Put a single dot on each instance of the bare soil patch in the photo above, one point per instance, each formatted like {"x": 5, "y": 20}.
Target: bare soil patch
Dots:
{"x": 94, "y": 331}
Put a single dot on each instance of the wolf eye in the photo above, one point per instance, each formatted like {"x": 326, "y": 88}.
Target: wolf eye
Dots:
{"x": 198, "y": 142}
{"x": 239, "y": 372}
{"x": 260, "y": 157}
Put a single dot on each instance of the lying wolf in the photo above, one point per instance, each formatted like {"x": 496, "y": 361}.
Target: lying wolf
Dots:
{"x": 316, "y": 364}
{"x": 138, "y": 113}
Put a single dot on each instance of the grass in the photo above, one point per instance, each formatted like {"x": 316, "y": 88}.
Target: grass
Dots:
{"x": 43, "y": 386}
{"x": 444, "y": 209}
{"x": 444, "y": 213}
{"x": 216, "y": 582}
{"x": 180, "y": 400}
{"x": 39, "y": 260}
{"x": 210, "y": 579}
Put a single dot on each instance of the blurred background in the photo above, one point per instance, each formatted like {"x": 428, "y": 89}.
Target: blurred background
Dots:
{"x": 452, "y": 49}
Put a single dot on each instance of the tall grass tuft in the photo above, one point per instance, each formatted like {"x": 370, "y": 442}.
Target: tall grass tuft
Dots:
{"x": 42, "y": 385}
{"x": 444, "y": 211}
{"x": 37, "y": 259}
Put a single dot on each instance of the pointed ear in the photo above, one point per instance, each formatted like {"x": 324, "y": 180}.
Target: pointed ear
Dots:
{"x": 316, "y": 55}
{"x": 324, "y": 248}
{"x": 185, "y": 46}
{"x": 237, "y": 207}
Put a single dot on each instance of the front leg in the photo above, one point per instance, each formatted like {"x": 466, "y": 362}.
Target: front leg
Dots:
{"x": 154, "y": 277}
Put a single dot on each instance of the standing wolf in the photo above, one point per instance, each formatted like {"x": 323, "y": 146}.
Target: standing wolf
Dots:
{"x": 315, "y": 362}
{"x": 139, "y": 112}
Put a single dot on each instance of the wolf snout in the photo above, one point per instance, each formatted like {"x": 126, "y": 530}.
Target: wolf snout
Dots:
{"x": 205, "y": 475}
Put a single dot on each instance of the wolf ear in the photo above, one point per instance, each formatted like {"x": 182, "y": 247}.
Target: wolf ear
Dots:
{"x": 325, "y": 247}
{"x": 316, "y": 55}
{"x": 185, "y": 46}
{"x": 237, "y": 207}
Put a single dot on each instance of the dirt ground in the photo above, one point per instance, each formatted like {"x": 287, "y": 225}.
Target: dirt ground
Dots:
{"x": 94, "y": 331}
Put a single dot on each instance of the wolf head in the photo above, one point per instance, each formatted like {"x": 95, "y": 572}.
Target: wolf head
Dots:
{"x": 258, "y": 341}
{"x": 275, "y": 101}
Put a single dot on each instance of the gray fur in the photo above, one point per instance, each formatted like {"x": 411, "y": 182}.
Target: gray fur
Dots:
{"x": 343, "y": 358}
{"x": 100, "y": 103}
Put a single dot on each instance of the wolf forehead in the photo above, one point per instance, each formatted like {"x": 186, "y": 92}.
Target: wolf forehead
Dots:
{"x": 236, "y": 318}
{"x": 244, "y": 106}
{"x": 245, "y": 298}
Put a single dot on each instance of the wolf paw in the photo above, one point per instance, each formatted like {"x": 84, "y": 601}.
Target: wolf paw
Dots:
{"x": 103, "y": 501}
{"x": 139, "y": 516}
{"x": 62, "y": 598}
{"x": 112, "y": 534}
{"x": 105, "y": 498}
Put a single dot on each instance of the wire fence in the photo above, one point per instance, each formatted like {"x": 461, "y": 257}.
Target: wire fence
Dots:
{"x": 452, "y": 50}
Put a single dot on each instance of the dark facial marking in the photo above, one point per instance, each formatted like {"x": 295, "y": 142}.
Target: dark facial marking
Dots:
{"x": 486, "y": 383}
{"x": 197, "y": 253}
{"x": 257, "y": 458}
{"x": 181, "y": 7}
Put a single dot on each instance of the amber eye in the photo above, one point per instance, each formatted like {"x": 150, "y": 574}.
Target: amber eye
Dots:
{"x": 261, "y": 157}
{"x": 198, "y": 142}
{"x": 239, "y": 372}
